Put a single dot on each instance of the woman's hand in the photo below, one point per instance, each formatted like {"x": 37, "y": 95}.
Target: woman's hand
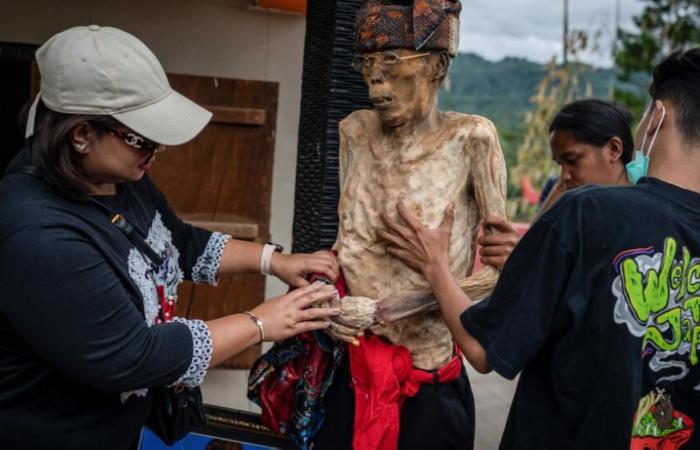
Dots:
{"x": 295, "y": 313}
{"x": 419, "y": 247}
{"x": 293, "y": 269}
{"x": 497, "y": 247}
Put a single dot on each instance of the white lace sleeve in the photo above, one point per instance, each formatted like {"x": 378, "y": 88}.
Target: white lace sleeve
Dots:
{"x": 201, "y": 352}
{"x": 207, "y": 265}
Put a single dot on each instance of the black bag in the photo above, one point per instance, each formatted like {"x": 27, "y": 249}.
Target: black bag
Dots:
{"x": 176, "y": 411}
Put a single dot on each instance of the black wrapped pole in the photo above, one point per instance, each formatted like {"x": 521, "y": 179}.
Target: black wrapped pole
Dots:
{"x": 331, "y": 90}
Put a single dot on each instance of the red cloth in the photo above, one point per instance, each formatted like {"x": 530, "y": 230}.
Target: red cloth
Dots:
{"x": 531, "y": 196}
{"x": 383, "y": 377}
{"x": 278, "y": 391}
{"x": 311, "y": 367}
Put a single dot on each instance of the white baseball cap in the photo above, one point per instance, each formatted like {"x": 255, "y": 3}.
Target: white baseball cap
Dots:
{"x": 106, "y": 71}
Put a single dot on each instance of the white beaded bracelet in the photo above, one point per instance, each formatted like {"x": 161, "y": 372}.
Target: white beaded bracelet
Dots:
{"x": 266, "y": 258}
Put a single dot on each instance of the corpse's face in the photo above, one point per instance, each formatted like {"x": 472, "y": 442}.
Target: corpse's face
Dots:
{"x": 402, "y": 89}
{"x": 583, "y": 163}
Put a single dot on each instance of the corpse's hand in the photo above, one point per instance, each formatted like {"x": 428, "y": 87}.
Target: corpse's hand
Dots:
{"x": 356, "y": 315}
{"x": 294, "y": 269}
{"x": 418, "y": 246}
{"x": 297, "y": 311}
{"x": 497, "y": 246}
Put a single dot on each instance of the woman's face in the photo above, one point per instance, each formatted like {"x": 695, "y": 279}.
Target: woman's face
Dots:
{"x": 583, "y": 164}
{"x": 110, "y": 159}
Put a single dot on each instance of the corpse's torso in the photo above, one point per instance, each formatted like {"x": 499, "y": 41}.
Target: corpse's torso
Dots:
{"x": 426, "y": 175}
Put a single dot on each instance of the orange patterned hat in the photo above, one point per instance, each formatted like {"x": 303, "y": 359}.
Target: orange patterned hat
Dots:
{"x": 419, "y": 25}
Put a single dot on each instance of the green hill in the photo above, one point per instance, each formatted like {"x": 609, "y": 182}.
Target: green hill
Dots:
{"x": 502, "y": 90}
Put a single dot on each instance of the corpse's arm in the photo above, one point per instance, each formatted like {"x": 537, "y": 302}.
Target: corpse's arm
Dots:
{"x": 489, "y": 181}
{"x": 489, "y": 175}
{"x": 357, "y": 313}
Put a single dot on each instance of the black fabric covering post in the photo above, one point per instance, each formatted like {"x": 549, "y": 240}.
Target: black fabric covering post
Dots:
{"x": 331, "y": 90}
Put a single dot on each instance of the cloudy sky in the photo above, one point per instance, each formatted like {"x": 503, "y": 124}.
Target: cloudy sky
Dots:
{"x": 533, "y": 28}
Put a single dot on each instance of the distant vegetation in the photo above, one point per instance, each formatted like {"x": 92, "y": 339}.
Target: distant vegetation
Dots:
{"x": 502, "y": 92}
{"x": 520, "y": 96}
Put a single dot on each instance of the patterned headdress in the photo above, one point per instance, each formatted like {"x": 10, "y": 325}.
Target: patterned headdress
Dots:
{"x": 426, "y": 25}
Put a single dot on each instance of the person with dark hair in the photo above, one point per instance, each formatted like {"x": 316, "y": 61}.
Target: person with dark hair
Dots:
{"x": 601, "y": 124}
{"x": 91, "y": 256}
{"x": 597, "y": 308}
{"x": 591, "y": 141}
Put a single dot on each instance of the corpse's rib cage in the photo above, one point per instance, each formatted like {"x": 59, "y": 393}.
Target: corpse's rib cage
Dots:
{"x": 331, "y": 90}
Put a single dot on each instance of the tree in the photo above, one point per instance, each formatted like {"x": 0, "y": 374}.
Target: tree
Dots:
{"x": 662, "y": 27}
{"x": 561, "y": 84}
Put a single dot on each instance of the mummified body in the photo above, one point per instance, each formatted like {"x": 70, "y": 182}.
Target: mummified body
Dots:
{"x": 457, "y": 160}
{"x": 406, "y": 150}
{"x": 403, "y": 150}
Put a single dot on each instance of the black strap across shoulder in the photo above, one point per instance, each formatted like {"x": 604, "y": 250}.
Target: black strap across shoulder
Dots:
{"x": 118, "y": 220}
{"x": 129, "y": 230}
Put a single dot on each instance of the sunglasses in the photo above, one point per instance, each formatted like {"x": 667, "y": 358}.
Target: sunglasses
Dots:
{"x": 134, "y": 140}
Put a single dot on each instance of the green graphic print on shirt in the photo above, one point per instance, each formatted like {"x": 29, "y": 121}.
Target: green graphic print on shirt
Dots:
{"x": 658, "y": 299}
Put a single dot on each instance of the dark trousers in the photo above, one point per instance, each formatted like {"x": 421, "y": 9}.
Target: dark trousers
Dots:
{"x": 439, "y": 416}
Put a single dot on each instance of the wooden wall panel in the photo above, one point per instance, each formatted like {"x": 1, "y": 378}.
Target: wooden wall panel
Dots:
{"x": 222, "y": 180}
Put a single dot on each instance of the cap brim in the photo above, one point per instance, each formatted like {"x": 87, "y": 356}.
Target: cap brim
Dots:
{"x": 172, "y": 120}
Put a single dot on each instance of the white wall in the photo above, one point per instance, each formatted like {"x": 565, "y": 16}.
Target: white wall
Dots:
{"x": 221, "y": 38}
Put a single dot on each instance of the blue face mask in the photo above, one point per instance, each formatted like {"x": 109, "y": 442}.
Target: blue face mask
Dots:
{"x": 639, "y": 166}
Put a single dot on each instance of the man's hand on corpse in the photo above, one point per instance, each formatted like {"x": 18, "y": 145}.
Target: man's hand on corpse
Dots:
{"x": 497, "y": 247}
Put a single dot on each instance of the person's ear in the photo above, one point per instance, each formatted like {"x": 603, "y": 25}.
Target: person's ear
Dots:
{"x": 657, "y": 112}
{"x": 82, "y": 135}
{"x": 440, "y": 66}
{"x": 615, "y": 149}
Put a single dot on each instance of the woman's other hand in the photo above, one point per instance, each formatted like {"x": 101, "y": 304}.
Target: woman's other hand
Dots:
{"x": 497, "y": 242}
{"x": 295, "y": 268}
{"x": 296, "y": 312}
{"x": 418, "y": 246}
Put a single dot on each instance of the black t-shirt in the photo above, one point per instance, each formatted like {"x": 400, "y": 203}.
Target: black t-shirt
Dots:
{"x": 78, "y": 302}
{"x": 598, "y": 309}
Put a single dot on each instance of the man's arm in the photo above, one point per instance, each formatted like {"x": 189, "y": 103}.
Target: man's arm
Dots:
{"x": 489, "y": 175}
{"x": 426, "y": 250}
{"x": 506, "y": 331}
{"x": 453, "y": 302}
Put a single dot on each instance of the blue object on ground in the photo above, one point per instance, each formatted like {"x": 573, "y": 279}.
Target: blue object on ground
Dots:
{"x": 149, "y": 441}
